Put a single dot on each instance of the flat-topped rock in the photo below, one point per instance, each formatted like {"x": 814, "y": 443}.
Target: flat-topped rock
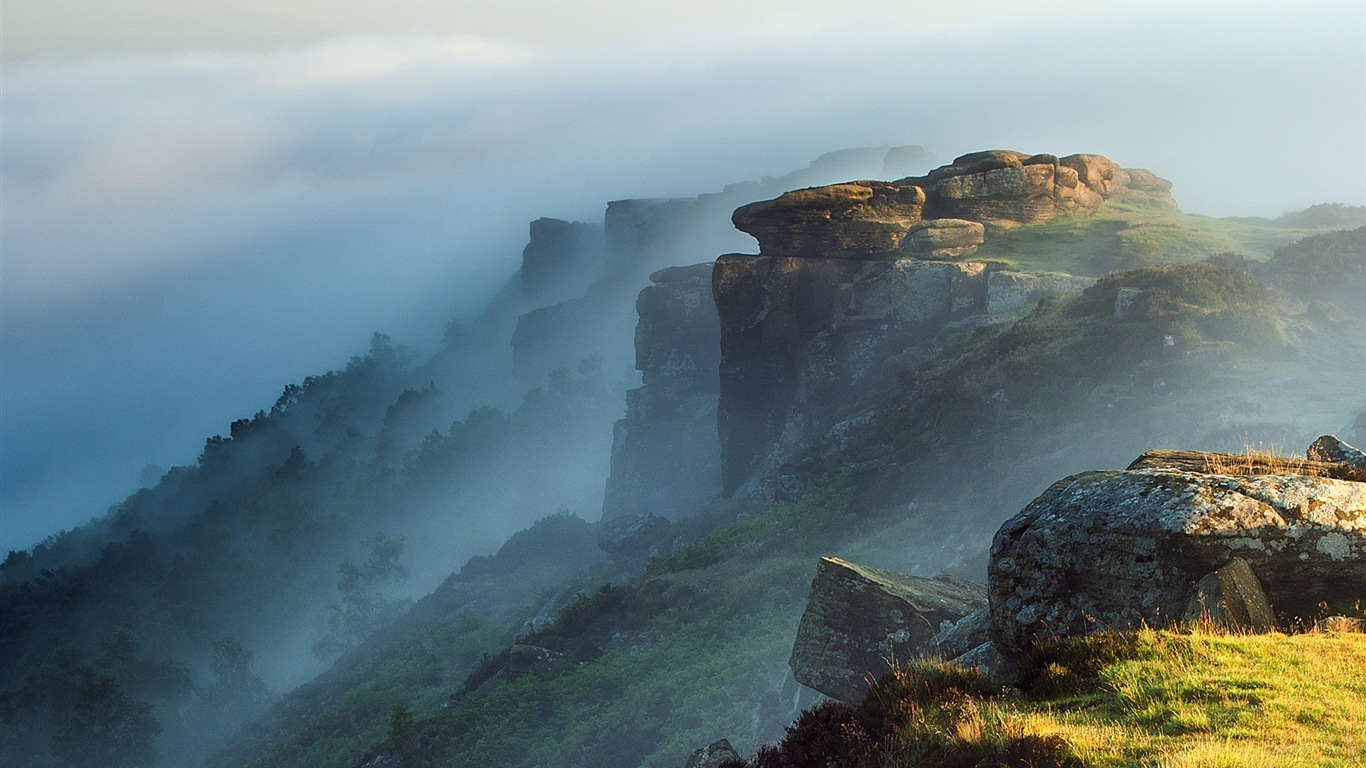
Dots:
{"x": 857, "y": 220}
{"x": 1119, "y": 550}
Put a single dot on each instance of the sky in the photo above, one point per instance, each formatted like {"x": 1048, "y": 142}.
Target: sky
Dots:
{"x": 202, "y": 201}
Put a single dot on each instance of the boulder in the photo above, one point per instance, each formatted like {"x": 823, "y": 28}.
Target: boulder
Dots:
{"x": 943, "y": 239}
{"x": 713, "y": 755}
{"x": 1098, "y": 172}
{"x": 524, "y": 659}
{"x": 1232, "y": 597}
{"x": 1146, "y": 188}
{"x": 859, "y": 620}
{"x": 856, "y": 220}
{"x": 961, "y": 636}
{"x": 631, "y": 538}
{"x": 1005, "y": 188}
{"x": 1118, "y": 550}
{"x": 1008, "y": 291}
{"x": 1330, "y": 449}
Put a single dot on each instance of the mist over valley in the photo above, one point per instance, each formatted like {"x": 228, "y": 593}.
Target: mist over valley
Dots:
{"x": 447, "y": 399}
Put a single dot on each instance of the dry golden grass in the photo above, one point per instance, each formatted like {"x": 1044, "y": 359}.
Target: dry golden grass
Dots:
{"x": 1260, "y": 460}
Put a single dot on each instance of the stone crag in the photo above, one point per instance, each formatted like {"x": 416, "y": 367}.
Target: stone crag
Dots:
{"x": 854, "y": 282}
{"x": 665, "y": 454}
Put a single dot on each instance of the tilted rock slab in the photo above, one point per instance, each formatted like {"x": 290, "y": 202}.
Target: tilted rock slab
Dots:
{"x": 1117, "y": 550}
{"x": 858, "y": 619}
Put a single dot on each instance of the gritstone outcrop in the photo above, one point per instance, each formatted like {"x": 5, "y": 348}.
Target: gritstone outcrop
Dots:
{"x": 855, "y": 281}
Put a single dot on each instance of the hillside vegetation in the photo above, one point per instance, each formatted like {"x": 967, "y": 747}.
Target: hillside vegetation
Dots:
{"x": 1175, "y": 698}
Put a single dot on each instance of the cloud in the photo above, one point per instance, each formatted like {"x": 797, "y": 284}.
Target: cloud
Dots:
{"x": 184, "y": 234}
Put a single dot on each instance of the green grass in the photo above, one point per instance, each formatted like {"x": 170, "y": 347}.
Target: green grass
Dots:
{"x": 1204, "y": 698}
{"x": 1124, "y": 236}
{"x": 707, "y": 669}
{"x": 1146, "y": 699}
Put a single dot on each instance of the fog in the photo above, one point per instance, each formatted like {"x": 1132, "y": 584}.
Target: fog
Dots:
{"x": 185, "y": 233}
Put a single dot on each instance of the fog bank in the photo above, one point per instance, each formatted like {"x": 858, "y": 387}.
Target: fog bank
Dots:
{"x": 184, "y": 234}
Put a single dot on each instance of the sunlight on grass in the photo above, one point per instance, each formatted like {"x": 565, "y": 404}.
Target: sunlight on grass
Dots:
{"x": 1208, "y": 699}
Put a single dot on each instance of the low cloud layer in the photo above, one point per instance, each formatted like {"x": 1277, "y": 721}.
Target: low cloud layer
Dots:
{"x": 185, "y": 234}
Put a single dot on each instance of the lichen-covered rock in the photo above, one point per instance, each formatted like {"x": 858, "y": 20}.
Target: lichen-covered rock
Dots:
{"x": 1329, "y": 448}
{"x": 857, "y": 220}
{"x": 1008, "y": 291}
{"x": 943, "y": 239}
{"x": 1232, "y": 597}
{"x": 1121, "y": 549}
{"x": 859, "y": 619}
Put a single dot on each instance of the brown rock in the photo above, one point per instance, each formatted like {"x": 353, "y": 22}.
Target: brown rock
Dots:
{"x": 857, "y": 220}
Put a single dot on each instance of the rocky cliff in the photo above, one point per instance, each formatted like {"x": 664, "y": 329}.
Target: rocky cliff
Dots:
{"x": 665, "y": 454}
{"x": 856, "y": 281}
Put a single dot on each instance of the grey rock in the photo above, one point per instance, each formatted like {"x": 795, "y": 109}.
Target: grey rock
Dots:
{"x": 630, "y": 537}
{"x": 859, "y": 620}
{"x": 666, "y": 456}
{"x": 1232, "y": 597}
{"x": 1330, "y": 448}
{"x": 1008, "y": 291}
{"x": 960, "y": 637}
{"x": 1118, "y": 550}
{"x": 524, "y": 659}
{"x": 985, "y": 657}
{"x": 712, "y": 755}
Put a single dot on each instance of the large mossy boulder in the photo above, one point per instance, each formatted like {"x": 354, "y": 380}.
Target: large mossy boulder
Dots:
{"x": 1119, "y": 550}
{"x": 859, "y": 620}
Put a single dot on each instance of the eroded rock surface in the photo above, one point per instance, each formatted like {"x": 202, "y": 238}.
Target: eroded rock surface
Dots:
{"x": 1121, "y": 549}
{"x": 857, "y": 220}
{"x": 857, "y": 619}
{"x": 855, "y": 282}
{"x": 666, "y": 458}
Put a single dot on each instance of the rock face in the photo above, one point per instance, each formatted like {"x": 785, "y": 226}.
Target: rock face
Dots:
{"x": 560, "y": 258}
{"x": 665, "y": 452}
{"x": 853, "y": 282}
{"x": 857, "y": 618}
{"x": 1119, "y": 549}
